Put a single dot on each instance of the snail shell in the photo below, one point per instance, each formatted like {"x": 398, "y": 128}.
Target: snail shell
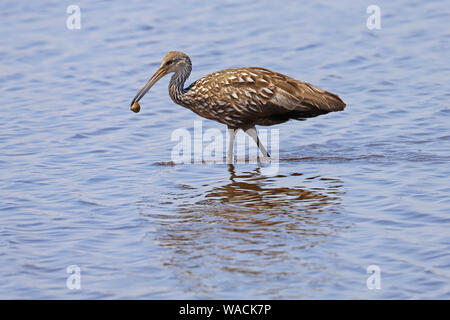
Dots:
{"x": 135, "y": 107}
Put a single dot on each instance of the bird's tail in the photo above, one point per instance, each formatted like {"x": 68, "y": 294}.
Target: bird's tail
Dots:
{"x": 332, "y": 102}
{"x": 321, "y": 102}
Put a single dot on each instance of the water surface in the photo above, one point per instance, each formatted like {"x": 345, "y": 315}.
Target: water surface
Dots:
{"x": 86, "y": 182}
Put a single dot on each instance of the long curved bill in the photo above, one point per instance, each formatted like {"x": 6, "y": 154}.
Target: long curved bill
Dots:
{"x": 161, "y": 72}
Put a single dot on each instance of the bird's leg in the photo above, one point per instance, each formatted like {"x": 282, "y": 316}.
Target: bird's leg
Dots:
{"x": 252, "y": 133}
{"x": 232, "y": 133}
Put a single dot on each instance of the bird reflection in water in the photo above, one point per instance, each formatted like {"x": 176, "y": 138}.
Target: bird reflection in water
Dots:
{"x": 251, "y": 225}
{"x": 253, "y": 203}
{"x": 250, "y": 202}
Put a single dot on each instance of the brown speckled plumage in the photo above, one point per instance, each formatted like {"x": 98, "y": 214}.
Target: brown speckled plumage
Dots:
{"x": 243, "y": 97}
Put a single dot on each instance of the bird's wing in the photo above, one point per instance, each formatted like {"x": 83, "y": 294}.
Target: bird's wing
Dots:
{"x": 264, "y": 92}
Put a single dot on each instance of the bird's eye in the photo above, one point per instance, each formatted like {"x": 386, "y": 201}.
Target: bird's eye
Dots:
{"x": 168, "y": 63}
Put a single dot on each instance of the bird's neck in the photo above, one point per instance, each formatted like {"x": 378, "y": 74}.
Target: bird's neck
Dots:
{"x": 176, "y": 85}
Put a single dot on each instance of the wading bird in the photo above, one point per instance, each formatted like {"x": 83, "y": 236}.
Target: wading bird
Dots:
{"x": 242, "y": 97}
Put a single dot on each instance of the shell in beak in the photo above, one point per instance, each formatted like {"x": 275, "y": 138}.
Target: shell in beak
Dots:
{"x": 161, "y": 72}
{"x": 135, "y": 107}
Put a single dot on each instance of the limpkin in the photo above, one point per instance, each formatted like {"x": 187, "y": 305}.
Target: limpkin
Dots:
{"x": 242, "y": 97}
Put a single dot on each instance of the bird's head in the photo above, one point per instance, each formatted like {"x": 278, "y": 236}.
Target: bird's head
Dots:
{"x": 174, "y": 61}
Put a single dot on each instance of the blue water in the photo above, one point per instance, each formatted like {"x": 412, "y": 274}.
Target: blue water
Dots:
{"x": 86, "y": 182}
